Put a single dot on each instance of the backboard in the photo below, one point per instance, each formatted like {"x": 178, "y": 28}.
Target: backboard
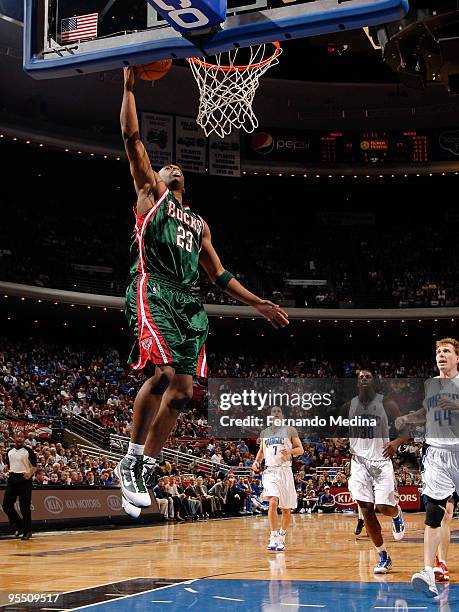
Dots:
{"x": 71, "y": 37}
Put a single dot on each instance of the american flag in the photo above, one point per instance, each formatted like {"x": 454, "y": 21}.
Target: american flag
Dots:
{"x": 79, "y": 28}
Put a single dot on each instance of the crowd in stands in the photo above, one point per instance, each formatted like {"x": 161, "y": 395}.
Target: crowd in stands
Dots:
{"x": 384, "y": 276}
{"x": 39, "y": 379}
{"x": 42, "y": 382}
{"x": 199, "y": 492}
{"x": 57, "y": 465}
{"x": 360, "y": 247}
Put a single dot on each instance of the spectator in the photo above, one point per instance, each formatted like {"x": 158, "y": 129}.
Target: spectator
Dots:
{"x": 164, "y": 500}
{"x": 327, "y": 501}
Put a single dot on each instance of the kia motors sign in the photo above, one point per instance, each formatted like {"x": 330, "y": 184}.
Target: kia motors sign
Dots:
{"x": 53, "y": 503}
{"x": 343, "y": 498}
{"x": 409, "y": 498}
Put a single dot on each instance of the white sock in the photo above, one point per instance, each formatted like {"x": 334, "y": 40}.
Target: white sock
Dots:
{"x": 135, "y": 449}
{"x": 442, "y": 561}
{"x": 274, "y": 533}
{"x": 428, "y": 568}
{"x": 381, "y": 548}
{"x": 150, "y": 461}
{"x": 282, "y": 532}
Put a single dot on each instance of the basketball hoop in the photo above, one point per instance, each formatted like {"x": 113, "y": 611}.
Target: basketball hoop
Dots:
{"x": 227, "y": 90}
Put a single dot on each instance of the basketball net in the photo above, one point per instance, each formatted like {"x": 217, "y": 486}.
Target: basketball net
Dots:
{"x": 227, "y": 90}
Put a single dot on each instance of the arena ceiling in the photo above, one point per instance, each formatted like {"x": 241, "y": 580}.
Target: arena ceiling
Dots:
{"x": 323, "y": 84}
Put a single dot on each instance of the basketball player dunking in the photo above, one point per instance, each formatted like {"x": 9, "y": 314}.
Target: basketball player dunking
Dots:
{"x": 440, "y": 462}
{"x": 168, "y": 322}
{"x": 278, "y": 445}
{"x": 372, "y": 479}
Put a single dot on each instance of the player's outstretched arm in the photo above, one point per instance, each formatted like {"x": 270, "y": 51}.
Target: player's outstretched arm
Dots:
{"x": 211, "y": 263}
{"x": 145, "y": 178}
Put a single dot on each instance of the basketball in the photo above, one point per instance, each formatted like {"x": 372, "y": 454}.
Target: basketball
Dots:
{"x": 153, "y": 71}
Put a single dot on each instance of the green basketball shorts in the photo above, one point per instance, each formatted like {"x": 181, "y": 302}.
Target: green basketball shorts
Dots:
{"x": 169, "y": 325}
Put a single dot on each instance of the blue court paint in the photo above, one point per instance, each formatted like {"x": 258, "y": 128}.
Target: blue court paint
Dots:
{"x": 283, "y": 595}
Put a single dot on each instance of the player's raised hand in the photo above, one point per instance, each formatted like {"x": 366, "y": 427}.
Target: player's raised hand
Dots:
{"x": 129, "y": 77}
{"x": 273, "y": 313}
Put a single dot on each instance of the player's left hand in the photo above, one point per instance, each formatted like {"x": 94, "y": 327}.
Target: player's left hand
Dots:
{"x": 285, "y": 455}
{"x": 448, "y": 404}
{"x": 390, "y": 448}
{"x": 273, "y": 313}
{"x": 129, "y": 77}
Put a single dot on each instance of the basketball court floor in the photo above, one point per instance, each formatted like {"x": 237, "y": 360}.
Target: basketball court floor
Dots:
{"x": 221, "y": 565}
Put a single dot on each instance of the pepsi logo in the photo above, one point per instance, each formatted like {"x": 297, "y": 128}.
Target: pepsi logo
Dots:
{"x": 263, "y": 143}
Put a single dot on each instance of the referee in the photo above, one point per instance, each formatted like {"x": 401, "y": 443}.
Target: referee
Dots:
{"x": 21, "y": 462}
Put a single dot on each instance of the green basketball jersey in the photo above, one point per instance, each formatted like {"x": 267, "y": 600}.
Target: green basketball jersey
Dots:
{"x": 167, "y": 241}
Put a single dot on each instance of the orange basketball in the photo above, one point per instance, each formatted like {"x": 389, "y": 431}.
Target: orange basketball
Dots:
{"x": 154, "y": 70}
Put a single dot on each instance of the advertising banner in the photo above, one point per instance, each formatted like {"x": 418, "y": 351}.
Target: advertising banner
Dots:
{"x": 281, "y": 145}
{"x": 61, "y": 503}
{"x": 225, "y": 155}
{"x": 157, "y": 136}
{"x": 190, "y": 145}
{"x": 446, "y": 144}
{"x": 409, "y": 498}
{"x": 40, "y": 429}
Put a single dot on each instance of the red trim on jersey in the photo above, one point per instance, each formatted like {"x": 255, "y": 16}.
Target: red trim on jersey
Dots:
{"x": 151, "y": 343}
{"x": 201, "y": 369}
{"x": 155, "y": 205}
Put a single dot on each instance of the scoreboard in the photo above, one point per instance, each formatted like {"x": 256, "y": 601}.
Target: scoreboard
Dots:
{"x": 375, "y": 148}
{"x": 365, "y": 148}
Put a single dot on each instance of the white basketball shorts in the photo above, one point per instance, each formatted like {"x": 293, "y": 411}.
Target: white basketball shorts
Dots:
{"x": 373, "y": 481}
{"x": 440, "y": 472}
{"x": 278, "y": 482}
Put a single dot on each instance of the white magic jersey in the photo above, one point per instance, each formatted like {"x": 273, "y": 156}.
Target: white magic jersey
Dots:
{"x": 442, "y": 426}
{"x": 274, "y": 441}
{"x": 369, "y": 441}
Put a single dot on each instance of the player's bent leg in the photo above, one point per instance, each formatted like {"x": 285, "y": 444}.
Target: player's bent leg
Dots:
{"x": 441, "y": 569}
{"x": 130, "y": 470}
{"x": 360, "y": 522}
{"x": 273, "y": 520}
{"x": 148, "y": 401}
{"x": 285, "y": 522}
{"x": 174, "y": 400}
{"x": 398, "y": 523}
{"x": 424, "y": 580}
{"x": 373, "y": 527}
